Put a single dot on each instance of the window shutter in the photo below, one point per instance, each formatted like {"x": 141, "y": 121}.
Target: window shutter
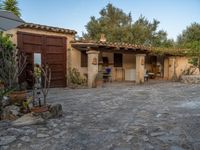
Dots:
{"x": 118, "y": 59}
{"x": 84, "y": 59}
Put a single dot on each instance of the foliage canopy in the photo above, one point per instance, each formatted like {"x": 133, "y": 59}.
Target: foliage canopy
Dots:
{"x": 118, "y": 26}
{"x": 190, "y": 38}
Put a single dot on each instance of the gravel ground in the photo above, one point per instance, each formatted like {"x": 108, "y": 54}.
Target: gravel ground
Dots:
{"x": 120, "y": 116}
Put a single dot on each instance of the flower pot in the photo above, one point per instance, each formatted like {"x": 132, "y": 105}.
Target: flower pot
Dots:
{"x": 17, "y": 97}
{"x": 38, "y": 109}
{"x": 99, "y": 83}
{"x": 1, "y": 86}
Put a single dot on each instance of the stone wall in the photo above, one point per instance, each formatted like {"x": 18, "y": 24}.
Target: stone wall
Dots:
{"x": 75, "y": 61}
{"x": 192, "y": 79}
{"x": 177, "y": 64}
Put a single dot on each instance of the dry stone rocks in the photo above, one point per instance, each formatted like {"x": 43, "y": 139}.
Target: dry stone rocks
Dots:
{"x": 191, "y": 79}
{"x": 28, "y": 119}
{"x": 7, "y": 140}
{"x": 157, "y": 133}
{"x": 5, "y": 101}
{"x": 40, "y": 135}
{"x": 25, "y": 139}
{"x": 14, "y": 131}
{"x": 10, "y": 112}
{"x": 56, "y": 110}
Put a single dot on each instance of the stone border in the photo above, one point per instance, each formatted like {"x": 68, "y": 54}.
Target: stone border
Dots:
{"x": 191, "y": 79}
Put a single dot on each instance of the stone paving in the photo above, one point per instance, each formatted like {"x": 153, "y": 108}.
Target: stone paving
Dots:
{"x": 159, "y": 116}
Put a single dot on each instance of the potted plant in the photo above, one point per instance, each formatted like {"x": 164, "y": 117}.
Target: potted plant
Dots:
{"x": 19, "y": 94}
{"x": 99, "y": 79}
{"x": 25, "y": 105}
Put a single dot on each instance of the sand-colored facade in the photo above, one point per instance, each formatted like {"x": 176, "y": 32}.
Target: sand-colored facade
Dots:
{"x": 175, "y": 66}
{"x": 69, "y": 37}
{"x": 171, "y": 65}
{"x": 133, "y": 66}
{"x": 75, "y": 61}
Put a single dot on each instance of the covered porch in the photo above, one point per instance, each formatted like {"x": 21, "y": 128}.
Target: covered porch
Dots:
{"x": 124, "y": 62}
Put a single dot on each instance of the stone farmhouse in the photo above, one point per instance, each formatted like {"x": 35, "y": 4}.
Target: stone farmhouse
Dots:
{"x": 58, "y": 48}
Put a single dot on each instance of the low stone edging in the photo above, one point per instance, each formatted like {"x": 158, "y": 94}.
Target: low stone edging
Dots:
{"x": 192, "y": 79}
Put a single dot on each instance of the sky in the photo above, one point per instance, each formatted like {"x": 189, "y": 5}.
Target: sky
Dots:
{"x": 174, "y": 15}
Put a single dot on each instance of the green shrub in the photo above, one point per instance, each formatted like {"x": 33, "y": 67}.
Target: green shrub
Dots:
{"x": 76, "y": 78}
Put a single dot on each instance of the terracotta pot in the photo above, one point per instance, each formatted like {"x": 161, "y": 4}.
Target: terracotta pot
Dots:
{"x": 17, "y": 97}
{"x": 38, "y": 109}
{"x": 99, "y": 83}
{"x": 1, "y": 86}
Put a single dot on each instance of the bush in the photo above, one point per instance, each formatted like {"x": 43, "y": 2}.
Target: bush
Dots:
{"x": 75, "y": 77}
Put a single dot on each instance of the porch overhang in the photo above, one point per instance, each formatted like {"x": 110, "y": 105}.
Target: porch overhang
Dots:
{"x": 110, "y": 47}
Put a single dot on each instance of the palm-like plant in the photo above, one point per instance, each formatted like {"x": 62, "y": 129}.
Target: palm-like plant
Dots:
{"x": 11, "y": 5}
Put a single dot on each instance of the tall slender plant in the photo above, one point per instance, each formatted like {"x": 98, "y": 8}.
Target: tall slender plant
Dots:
{"x": 46, "y": 73}
{"x": 43, "y": 72}
{"x": 12, "y": 62}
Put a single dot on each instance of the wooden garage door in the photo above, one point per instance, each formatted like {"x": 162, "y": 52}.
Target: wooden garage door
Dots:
{"x": 53, "y": 51}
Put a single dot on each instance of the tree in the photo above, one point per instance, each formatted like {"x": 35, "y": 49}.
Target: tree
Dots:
{"x": 190, "y": 38}
{"x": 113, "y": 22}
{"x": 46, "y": 73}
{"x": 11, "y": 5}
{"x": 145, "y": 32}
{"x": 190, "y": 34}
{"x": 119, "y": 27}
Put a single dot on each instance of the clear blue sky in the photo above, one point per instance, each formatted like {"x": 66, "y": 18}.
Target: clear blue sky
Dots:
{"x": 174, "y": 15}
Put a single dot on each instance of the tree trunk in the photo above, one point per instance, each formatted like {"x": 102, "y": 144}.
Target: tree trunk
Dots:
{"x": 45, "y": 97}
{"x": 199, "y": 64}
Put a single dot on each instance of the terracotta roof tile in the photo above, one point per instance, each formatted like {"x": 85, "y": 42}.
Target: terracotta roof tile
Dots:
{"x": 116, "y": 45}
{"x": 47, "y": 28}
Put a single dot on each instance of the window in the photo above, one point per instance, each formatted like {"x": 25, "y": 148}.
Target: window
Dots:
{"x": 118, "y": 59}
{"x": 84, "y": 59}
{"x": 105, "y": 61}
{"x": 37, "y": 59}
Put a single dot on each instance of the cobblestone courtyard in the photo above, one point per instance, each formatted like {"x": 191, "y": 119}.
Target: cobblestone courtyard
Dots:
{"x": 160, "y": 116}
